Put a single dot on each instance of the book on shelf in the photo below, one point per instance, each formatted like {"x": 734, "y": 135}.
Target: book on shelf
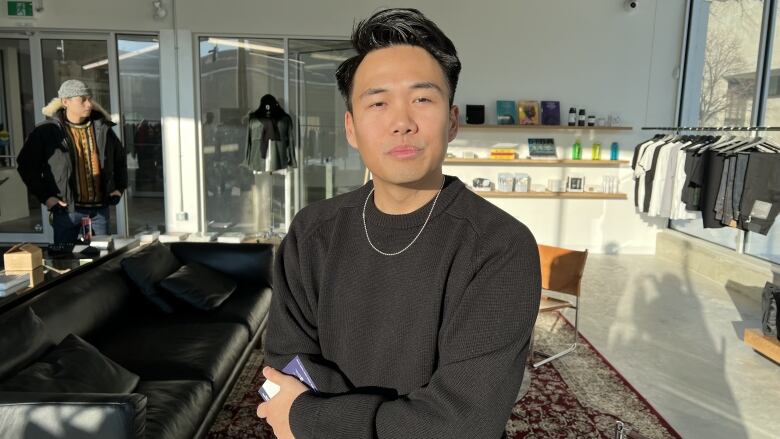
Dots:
{"x": 11, "y": 282}
{"x": 231, "y": 237}
{"x": 173, "y": 236}
{"x": 551, "y": 113}
{"x": 528, "y": 112}
{"x": 11, "y": 290}
{"x": 506, "y": 113}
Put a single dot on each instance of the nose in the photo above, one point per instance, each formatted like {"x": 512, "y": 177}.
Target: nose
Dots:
{"x": 403, "y": 121}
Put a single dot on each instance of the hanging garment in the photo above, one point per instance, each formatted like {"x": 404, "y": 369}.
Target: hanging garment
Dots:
{"x": 760, "y": 201}
{"x": 270, "y": 143}
{"x": 739, "y": 184}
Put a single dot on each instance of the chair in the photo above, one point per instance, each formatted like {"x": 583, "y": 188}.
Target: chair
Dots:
{"x": 562, "y": 273}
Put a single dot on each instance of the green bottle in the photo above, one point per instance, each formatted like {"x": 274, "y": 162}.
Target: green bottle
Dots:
{"x": 595, "y": 153}
{"x": 576, "y": 150}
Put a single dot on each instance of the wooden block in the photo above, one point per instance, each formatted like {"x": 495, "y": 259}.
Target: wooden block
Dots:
{"x": 769, "y": 346}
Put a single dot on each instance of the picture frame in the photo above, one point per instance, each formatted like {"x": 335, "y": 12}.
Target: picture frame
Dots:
{"x": 575, "y": 183}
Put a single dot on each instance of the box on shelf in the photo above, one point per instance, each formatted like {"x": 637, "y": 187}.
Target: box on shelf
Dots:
{"x": 23, "y": 257}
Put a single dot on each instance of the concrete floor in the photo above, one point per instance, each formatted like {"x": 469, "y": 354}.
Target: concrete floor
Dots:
{"x": 677, "y": 337}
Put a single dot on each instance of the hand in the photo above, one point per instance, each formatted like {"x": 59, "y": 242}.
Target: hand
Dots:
{"x": 114, "y": 198}
{"x": 276, "y": 411}
{"x": 52, "y": 201}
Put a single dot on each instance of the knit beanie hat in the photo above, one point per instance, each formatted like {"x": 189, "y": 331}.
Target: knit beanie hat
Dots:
{"x": 72, "y": 88}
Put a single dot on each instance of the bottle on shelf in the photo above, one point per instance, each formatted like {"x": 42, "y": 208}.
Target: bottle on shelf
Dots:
{"x": 595, "y": 151}
{"x": 613, "y": 151}
{"x": 591, "y": 120}
{"x": 581, "y": 118}
{"x": 576, "y": 150}
{"x": 572, "y": 117}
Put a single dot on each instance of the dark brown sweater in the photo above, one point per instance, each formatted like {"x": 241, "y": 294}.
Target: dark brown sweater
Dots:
{"x": 430, "y": 343}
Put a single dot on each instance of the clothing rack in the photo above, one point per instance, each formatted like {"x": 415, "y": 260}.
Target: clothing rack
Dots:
{"x": 711, "y": 128}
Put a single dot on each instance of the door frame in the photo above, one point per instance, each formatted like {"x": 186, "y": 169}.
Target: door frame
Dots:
{"x": 36, "y": 64}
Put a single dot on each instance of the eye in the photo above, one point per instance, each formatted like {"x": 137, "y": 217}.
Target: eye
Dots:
{"x": 423, "y": 99}
{"x": 377, "y": 105}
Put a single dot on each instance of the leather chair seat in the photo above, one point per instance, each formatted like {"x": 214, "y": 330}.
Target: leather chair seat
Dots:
{"x": 170, "y": 351}
{"x": 174, "y": 408}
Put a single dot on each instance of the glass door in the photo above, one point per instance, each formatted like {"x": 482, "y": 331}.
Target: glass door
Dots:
{"x": 85, "y": 59}
{"x": 20, "y": 212}
{"x": 328, "y": 165}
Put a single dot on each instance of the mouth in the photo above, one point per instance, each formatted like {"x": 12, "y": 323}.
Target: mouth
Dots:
{"x": 405, "y": 151}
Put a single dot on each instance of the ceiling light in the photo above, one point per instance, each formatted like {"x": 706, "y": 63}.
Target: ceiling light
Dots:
{"x": 246, "y": 45}
{"x": 126, "y": 55}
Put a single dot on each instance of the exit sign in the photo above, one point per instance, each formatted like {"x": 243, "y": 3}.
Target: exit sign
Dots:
{"x": 20, "y": 9}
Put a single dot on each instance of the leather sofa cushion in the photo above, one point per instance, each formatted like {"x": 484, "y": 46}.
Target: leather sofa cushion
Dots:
{"x": 74, "y": 366}
{"x": 147, "y": 267}
{"x": 174, "y": 409}
{"x": 247, "y": 305}
{"x": 85, "y": 303}
{"x": 199, "y": 286}
{"x": 171, "y": 351}
{"x": 23, "y": 338}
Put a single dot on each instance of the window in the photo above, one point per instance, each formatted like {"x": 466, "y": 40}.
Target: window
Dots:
{"x": 725, "y": 82}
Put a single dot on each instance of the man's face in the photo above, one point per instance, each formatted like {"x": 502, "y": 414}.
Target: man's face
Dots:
{"x": 78, "y": 107}
{"x": 401, "y": 120}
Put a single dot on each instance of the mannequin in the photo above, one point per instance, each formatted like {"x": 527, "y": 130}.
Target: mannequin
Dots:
{"x": 269, "y": 137}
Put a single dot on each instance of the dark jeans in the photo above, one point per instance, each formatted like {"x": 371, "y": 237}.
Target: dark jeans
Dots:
{"x": 67, "y": 225}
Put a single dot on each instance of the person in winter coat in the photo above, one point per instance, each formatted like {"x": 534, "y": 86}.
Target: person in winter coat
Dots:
{"x": 74, "y": 163}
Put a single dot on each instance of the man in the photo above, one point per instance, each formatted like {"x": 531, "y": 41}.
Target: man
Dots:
{"x": 74, "y": 163}
{"x": 411, "y": 300}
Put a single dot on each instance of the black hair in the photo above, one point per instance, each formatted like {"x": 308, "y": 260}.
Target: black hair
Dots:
{"x": 390, "y": 27}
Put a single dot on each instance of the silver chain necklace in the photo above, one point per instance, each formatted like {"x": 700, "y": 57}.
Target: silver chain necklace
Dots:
{"x": 418, "y": 233}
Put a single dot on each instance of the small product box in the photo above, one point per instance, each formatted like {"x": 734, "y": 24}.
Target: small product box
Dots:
{"x": 23, "y": 257}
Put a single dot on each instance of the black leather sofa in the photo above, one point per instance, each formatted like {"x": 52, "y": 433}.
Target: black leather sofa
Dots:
{"x": 186, "y": 361}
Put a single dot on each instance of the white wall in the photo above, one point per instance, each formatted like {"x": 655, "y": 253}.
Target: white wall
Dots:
{"x": 593, "y": 54}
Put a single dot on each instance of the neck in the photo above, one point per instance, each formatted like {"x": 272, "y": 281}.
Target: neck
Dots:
{"x": 75, "y": 119}
{"x": 396, "y": 199}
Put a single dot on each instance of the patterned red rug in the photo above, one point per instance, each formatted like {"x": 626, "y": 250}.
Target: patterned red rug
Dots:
{"x": 577, "y": 396}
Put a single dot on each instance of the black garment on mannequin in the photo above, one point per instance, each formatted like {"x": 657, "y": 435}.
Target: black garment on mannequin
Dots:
{"x": 269, "y": 137}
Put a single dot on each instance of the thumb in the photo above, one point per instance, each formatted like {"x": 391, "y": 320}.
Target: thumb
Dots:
{"x": 272, "y": 374}
{"x": 62, "y": 203}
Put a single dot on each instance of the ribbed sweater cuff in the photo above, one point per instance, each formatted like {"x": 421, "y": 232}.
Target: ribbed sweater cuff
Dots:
{"x": 315, "y": 416}
{"x": 304, "y": 414}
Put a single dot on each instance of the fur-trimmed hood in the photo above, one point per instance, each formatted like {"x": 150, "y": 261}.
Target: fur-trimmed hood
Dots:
{"x": 55, "y": 105}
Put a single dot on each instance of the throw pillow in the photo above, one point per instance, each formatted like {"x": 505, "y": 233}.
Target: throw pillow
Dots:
{"x": 199, "y": 286}
{"x": 73, "y": 366}
{"x": 149, "y": 266}
{"x": 23, "y": 338}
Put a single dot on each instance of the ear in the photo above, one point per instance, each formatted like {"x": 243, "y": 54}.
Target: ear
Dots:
{"x": 454, "y": 117}
{"x": 349, "y": 127}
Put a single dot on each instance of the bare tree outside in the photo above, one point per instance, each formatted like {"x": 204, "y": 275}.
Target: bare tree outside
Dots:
{"x": 728, "y": 77}
{"x": 722, "y": 80}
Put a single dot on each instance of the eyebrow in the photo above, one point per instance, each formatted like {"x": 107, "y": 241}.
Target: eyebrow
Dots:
{"x": 424, "y": 85}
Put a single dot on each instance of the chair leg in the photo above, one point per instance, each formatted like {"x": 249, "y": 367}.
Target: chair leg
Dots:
{"x": 568, "y": 350}
{"x": 573, "y": 346}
